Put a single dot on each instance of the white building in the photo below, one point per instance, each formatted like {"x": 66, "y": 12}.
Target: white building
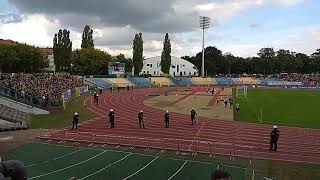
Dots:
{"x": 179, "y": 67}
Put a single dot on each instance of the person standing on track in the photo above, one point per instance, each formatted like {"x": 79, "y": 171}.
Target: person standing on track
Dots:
{"x": 118, "y": 89}
{"x": 141, "y": 119}
{"x": 75, "y": 120}
{"x": 193, "y": 116}
{"x": 96, "y": 98}
{"x": 128, "y": 87}
{"x": 110, "y": 89}
{"x": 166, "y": 119}
{"x": 111, "y": 118}
{"x": 225, "y": 102}
{"x": 100, "y": 91}
{"x": 231, "y": 102}
{"x": 274, "y": 136}
{"x": 131, "y": 87}
{"x": 212, "y": 91}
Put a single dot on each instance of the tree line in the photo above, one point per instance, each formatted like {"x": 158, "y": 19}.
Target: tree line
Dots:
{"x": 267, "y": 61}
{"x": 21, "y": 58}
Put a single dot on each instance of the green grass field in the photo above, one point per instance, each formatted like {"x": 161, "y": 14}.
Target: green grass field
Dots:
{"x": 63, "y": 119}
{"x": 287, "y": 107}
{"x": 52, "y": 162}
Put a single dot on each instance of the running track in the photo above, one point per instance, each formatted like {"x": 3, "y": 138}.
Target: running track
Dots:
{"x": 213, "y": 136}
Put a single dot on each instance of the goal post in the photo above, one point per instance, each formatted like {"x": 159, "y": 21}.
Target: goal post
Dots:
{"x": 242, "y": 91}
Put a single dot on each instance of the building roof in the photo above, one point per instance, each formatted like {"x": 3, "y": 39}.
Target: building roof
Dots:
{"x": 46, "y": 51}
{"x": 8, "y": 42}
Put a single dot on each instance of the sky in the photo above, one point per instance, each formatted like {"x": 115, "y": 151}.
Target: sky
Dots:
{"x": 240, "y": 27}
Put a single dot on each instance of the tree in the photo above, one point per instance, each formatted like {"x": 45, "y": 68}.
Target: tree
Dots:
{"x": 89, "y": 61}
{"x": 62, "y": 50}
{"x": 21, "y": 58}
{"x": 122, "y": 59}
{"x": 267, "y": 56}
{"x": 87, "y": 37}
{"x": 137, "y": 53}
{"x": 166, "y": 55}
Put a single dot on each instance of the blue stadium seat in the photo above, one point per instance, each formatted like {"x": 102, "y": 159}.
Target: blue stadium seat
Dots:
{"x": 182, "y": 81}
{"x": 103, "y": 83}
{"x": 140, "y": 81}
{"x": 225, "y": 81}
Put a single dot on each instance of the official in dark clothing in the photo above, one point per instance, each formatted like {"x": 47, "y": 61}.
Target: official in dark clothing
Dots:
{"x": 141, "y": 119}
{"x": 75, "y": 121}
{"x": 212, "y": 91}
{"x": 274, "y": 136}
{"x": 225, "y": 103}
{"x": 118, "y": 89}
{"x": 193, "y": 116}
{"x": 231, "y": 102}
{"x": 132, "y": 87}
{"x": 110, "y": 89}
{"x": 14, "y": 169}
{"x": 96, "y": 98}
{"x": 100, "y": 91}
{"x": 166, "y": 119}
{"x": 128, "y": 87}
{"x": 111, "y": 118}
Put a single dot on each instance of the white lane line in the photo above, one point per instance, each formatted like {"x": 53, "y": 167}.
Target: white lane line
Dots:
{"x": 106, "y": 167}
{"x": 196, "y": 135}
{"x": 68, "y": 167}
{"x": 54, "y": 159}
{"x": 253, "y": 174}
{"x": 178, "y": 170}
{"x": 141, "y": 168}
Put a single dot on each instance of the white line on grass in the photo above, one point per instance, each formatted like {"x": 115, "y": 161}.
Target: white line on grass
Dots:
{"x": 253, "y": 174}
{"x": 54, "y": 159}
{"x": 196, "y": 135}
{"x": 178, "y": 170}
{"x": 141, "y": 168}
{"x": 68, "y": 167}
{"x": 106, "y": 167}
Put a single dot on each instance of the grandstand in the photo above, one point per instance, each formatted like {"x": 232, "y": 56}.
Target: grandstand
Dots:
{"x": 13, "y": 119}
{"x": 225, "y": 81}
{"x": 248, "y": 81}
{"x": 119, "y": 82}
{"x": 182, "y": 81}
{"x": 140, "y": 81}
{"x": 161, "y": 81}
{"x": 102, "y": 83}
{"x": 202, "y": 81}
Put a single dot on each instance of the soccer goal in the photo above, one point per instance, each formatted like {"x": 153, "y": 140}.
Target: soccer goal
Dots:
{"x": 242, "y": 91}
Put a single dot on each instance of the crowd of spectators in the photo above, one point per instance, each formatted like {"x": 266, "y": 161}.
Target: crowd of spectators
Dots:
{"x": 44, "y": 86}
{"x": 307, "y": 79}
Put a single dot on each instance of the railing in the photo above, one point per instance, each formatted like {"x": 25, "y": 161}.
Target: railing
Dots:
{"x": 212, "y": 148}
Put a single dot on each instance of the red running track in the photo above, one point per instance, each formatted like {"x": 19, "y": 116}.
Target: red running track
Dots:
{"x": 211, "y": 135}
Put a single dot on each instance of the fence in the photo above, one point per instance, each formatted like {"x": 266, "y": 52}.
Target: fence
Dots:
{"x": 39, "y": 102}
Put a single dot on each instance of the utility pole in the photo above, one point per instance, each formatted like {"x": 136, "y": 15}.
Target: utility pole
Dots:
{"x": 204, "y": 24}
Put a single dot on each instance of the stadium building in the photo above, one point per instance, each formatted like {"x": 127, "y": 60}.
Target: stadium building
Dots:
{"x": 179, "y": 67}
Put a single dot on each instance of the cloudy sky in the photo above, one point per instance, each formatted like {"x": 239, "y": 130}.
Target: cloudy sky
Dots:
{"x": 240, "y": 27}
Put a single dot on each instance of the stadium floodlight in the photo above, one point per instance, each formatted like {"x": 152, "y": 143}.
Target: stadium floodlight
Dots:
{"x": 204, "y": 24}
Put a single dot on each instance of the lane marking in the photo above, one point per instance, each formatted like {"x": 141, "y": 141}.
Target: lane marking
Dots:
{"x": 196, "y": 135}
{"x": 178, "y": 170}
{"x": 54, "y": 159}
{"x": 106, "y": 167}
{"x": 141, "y": 168}
{"x": 68, "y": 167}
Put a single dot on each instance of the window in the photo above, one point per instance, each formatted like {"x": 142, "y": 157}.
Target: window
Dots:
{"x": 147, "y": 72}
{"x": 150, "y": 65}
{"x": 184, "y": 73}
{"x": 147, "y": 64}
{"x": 154, "y": 73}
{"x": 144, "y": 72}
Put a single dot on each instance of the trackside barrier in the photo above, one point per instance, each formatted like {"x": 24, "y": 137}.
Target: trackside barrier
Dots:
{"x": 212, "y": 148}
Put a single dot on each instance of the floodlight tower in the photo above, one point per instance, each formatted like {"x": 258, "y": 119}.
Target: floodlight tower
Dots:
{"x": 204, "y": 24}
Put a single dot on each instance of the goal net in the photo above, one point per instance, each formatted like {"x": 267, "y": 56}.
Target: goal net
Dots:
{"x": 242, "y": 91}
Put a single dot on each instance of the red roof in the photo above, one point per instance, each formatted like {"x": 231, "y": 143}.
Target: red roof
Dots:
{"x": 8, "y": 42}
{"x": 46, "y": 50}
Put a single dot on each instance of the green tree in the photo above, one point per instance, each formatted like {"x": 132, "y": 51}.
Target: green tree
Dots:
{"x": 21, "y": 58}
{"x": 166, "y": 55}
{"x": 89, "y": 61}
{"x": 127, "y": 61}
{"x": 62, "y": 50}
{"x": 87, "y": 38}
{"x": 267, "y": 56}
{"x": 137, "y": 53}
